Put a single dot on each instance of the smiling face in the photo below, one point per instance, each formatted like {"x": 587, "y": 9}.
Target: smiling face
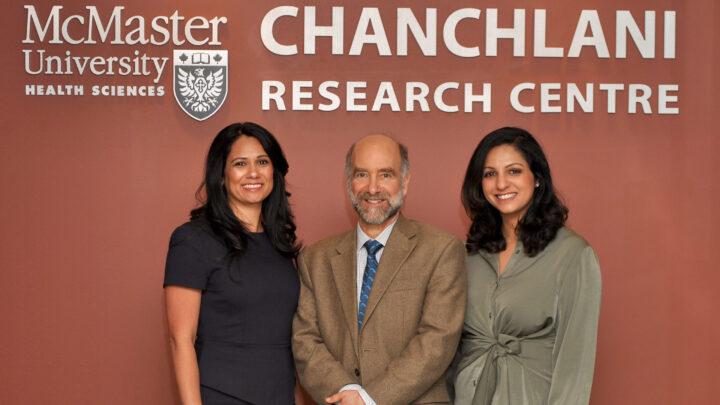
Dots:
{"x": 248, "y": 176}
{"x": 508, "y": 183}
{"x": 376, "y": 185}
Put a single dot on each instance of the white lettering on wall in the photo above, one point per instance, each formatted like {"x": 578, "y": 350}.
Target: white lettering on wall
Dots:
{"x": 119, "y": 30}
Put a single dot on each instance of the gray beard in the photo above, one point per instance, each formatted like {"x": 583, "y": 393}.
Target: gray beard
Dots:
{"x": 376, "y": 216}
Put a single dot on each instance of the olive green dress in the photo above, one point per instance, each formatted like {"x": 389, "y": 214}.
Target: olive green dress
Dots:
{"x": 529, "y": 335}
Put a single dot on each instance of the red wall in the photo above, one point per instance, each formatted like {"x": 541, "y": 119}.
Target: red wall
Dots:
{"x": 93, "y": 186}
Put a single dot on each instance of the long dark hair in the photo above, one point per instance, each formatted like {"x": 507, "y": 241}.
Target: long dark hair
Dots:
{"x": 545, "y": 215}
{"x": 277, "y": 218}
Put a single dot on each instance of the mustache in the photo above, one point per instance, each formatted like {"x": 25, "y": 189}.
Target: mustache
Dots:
{"x": 364, "y": 195}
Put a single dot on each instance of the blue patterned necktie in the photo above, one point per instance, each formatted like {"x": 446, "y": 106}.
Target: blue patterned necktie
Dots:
{"x": 372, "y": 247}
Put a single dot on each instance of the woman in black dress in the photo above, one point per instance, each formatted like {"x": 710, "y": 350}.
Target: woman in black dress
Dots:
{"x": 231, "y": 287}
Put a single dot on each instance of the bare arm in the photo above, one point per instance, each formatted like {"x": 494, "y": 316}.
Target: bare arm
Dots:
{"x": 183, "y": 309}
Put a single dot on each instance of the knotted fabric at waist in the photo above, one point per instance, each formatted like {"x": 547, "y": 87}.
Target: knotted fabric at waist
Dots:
{"x": 477, "y": 345}
{"x": 474, "y": 346}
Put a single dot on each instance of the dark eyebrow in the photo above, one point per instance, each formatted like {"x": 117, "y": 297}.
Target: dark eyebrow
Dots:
{"x": 245, "y": 157}
{"x": 507, "y": 165}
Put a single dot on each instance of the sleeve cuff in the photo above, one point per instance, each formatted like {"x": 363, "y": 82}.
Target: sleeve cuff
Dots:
{"x": 363, "y": 394}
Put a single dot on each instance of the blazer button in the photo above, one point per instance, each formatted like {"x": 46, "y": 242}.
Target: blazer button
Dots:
{"x": 357, "y": 372}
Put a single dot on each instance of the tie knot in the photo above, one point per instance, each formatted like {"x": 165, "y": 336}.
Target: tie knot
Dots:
{"x": 372, "y": 246}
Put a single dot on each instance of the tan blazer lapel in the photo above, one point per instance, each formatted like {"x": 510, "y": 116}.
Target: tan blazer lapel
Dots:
{"x": 399, "y": 246}
{"x": 344, "y": 273}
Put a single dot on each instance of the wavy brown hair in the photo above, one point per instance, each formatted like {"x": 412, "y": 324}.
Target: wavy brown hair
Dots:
{"x": 546, "y": 214}
{"x": 277, "y": 218}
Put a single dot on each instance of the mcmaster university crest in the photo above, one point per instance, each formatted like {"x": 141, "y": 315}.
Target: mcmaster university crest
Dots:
{"x": 200, "y": 81}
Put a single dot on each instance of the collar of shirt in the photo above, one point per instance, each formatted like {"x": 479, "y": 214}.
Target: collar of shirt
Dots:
{"x": 361, "y": 253}
{"x": 362, "y": 237}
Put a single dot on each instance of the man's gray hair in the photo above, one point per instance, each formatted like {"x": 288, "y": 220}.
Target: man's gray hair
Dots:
{"x": 404, "y": 160}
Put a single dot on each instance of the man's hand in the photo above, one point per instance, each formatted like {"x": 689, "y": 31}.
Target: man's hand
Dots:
{"x": 349, "y": 397}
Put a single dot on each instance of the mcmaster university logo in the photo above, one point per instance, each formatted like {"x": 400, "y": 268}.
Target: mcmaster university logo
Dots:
{"x": 200, "y": 81}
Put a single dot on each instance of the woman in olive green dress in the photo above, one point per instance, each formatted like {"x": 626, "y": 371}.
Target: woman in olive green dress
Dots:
{"x": 533, "y": 284}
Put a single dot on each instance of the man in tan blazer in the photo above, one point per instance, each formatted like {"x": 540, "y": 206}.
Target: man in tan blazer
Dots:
{"x": 396, "y": 351}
